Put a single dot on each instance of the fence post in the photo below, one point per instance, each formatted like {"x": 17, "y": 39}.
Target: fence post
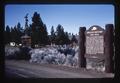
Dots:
{"x": 82, "y": 59}
{"x": 109, "y": 48}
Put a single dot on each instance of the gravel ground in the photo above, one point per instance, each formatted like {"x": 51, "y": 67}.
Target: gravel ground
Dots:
{"x": 51, "y": 70}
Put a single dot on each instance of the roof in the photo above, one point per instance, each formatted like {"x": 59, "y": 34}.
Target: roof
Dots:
{"x": 25, "y": 36}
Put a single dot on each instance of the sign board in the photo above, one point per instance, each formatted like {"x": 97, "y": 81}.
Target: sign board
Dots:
{"x": 12, "y": 43}
{"x": 94, "y": 42}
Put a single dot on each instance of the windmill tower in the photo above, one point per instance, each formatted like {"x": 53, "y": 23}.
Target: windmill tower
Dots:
{"x": 26, "y": 24}
{"x": 26, "y": 40}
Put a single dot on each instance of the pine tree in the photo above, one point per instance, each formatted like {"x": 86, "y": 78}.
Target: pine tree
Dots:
{"x": 19, "y": 26}
{"x": 74, "y": 39}
{"x": 35, "y": 29}
{"x": 39, "y": 31}
{"x": 67, "y": 40}
{"x": 16, "y": 37}
{"x": 28, "y": 30}
{"x": 60, "y": 35}
{"x": 13, "y": 35}
{"x": 36, "y": 19}
{"x": 45, "y": 35}
{"x": 52, "y": 38}
{"x": 19, "y": 32}
{"x": 7, "y": 36}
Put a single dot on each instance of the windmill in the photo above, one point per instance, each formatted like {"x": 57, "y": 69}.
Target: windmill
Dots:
{"x": 26, "y": 40}
{"x": 26, "y": 23}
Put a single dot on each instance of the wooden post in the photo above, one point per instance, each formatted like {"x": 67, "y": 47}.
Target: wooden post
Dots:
{"x": 109, "y": 48}
{"x": 82, "y": 59}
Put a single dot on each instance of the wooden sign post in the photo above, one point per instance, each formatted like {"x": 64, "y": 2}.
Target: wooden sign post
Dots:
{"x": 109, "y": 48}
{"x": 82, "y": 60}
{"x": 96, "y": 46}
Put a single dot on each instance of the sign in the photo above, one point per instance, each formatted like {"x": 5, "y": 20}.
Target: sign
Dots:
{"x": 12, "y": 43}
{"x": 94, "y": 42}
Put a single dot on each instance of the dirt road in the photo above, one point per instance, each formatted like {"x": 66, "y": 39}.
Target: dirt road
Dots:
{"x": 24, "y": 69}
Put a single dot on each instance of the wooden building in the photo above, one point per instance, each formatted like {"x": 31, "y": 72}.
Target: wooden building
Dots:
{"x": 26, "y": 40}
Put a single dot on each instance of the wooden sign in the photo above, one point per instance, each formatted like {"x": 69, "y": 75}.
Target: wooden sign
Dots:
{"x": 94, "y": 42}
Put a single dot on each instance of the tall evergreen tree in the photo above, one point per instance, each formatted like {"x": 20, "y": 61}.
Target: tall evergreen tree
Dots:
{"x": 19, "y": 32}
{"x": 74, "y": 39}
{"x": 7, "y": 36}
{"x": 60, "y": 35}
{"x": 28, "y": 30}
{"x": 66, "y": 38}
{"x": 16, "y": 37}
{"x": 13, "y": 35}
{"x": 52, "y": 38}
{"x": 36, "y": 19}
{"x": 34, "y": 26}
{"x": 45, "y": 35}
{"x": 16, "y": 34}
{"x": 39, "y": 30}
{"x": 19, "y": 26}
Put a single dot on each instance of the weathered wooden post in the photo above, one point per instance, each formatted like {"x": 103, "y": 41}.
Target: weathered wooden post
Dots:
{"x": 109, "y": 48}
{"x": 82, "y": 60}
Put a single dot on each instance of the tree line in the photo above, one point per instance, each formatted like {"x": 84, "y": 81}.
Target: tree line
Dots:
{"x": 38, "y": 32}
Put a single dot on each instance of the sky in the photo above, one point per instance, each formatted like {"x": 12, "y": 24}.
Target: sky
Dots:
{"x": 70, "y": 16}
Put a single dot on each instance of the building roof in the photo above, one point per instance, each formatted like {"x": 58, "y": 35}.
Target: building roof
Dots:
{"x": 25, "y": 36}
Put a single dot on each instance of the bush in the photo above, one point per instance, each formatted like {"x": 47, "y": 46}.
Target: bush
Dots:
{"x": 24, "y": 53}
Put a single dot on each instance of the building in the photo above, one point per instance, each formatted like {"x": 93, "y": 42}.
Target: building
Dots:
{"x": 26, "y": 40}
